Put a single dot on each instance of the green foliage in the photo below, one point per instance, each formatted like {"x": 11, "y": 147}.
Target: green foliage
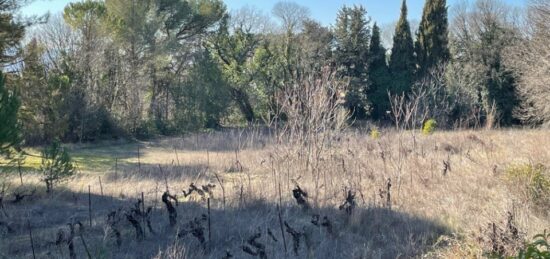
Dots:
{"x": 429, "y": 127}
{"x": 80, "y": 14}
{"x": 379, "y": 77}
{"x": 402, "y": 64}
{"x": 232, "y": 51}
{"x": 44, "y": 105}
{"x": 12, "y": 30}
{"x": 432, "y": 40}
{"x": 9, "y": 131}
{"x": 352, "y": 35}
{"x": 203, "y": 99}
{"x": 533, "y": 182}
{"x": 374, "y": 133}
{"x": 481, "y": 47}
{"x": 539, "y": 248}
{"x": 56, "y": 165}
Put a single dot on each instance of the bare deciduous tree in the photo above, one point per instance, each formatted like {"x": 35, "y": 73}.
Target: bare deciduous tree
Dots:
{"x": 530, "y": 57}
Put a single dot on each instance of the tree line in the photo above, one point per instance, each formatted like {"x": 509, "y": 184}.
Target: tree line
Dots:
{"x": 145, "y": 67}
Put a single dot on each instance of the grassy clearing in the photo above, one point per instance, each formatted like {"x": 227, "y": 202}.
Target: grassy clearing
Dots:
{"x": 446, "y": 189}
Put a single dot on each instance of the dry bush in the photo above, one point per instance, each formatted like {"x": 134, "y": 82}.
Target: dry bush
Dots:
{"x": 530, "y": 56}
{"x": 532, "y": 182}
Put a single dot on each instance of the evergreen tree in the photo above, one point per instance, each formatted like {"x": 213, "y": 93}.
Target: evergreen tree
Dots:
{"x": 402, "y": 65}
{"x": 378, "y": 75}
{"x": 11, "y": 31}
{"x": 432, "y": 39}
{"x": 9, "y": 130}
{"x": 499, "y": 95}
{"x": 352, "y": 35}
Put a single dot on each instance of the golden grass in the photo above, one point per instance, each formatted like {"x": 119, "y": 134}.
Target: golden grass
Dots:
{"x": 472, "y": 193}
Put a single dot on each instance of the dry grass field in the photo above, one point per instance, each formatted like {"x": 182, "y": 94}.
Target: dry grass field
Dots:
{"x": 401, "y": 195}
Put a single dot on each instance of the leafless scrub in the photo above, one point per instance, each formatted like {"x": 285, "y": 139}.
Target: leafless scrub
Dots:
{"x": 531, "y": 59}
{"x": 314, "y": 120}
{"x": 501, "y": 239}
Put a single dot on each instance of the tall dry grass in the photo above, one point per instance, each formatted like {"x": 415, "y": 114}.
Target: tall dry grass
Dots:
{"x": 435, "y": 212}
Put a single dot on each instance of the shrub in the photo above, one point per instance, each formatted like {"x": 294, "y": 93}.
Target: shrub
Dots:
{"x": 429, "y": 127}
{"x": 533, "y": 181}
{"x": 56, "y": 165}
{"x": 538, "y": 248}
{"x": 374, "y": 133}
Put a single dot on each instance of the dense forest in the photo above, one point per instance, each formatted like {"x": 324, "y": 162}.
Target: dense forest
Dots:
{"x": 140, "y": 68}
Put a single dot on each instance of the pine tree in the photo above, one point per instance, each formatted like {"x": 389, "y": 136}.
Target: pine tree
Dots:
{"x": 9, "y": 130}
{"x": 11, "y": 30}
{"x": 352, "y": 35}
{"x": 402, "y": 64}
{"x": 378, "y": 75}
{"x": 432, "y": 39}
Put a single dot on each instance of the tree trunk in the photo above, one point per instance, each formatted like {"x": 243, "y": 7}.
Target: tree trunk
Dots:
{"x": 241, "y": 97}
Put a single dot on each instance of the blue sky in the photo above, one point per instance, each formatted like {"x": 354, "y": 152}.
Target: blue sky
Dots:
{"x": 381, "y": 11}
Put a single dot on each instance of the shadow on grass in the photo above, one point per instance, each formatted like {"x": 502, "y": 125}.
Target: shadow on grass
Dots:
{"x": 368, "y": 233}
{"x": 229, "y": 139}
{"x": 157, "y": 172}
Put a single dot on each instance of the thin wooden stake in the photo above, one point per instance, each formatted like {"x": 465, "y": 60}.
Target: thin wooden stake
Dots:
{"x": 165, "y": 178}
{"x": 90, "y": 204}
{"x": 100, "y": 185}
{"x": 223, "y": 189}
{"x": 32, "y": 241}
{"x": 20, "y": 173}
{"x": 142, "y": 203}
{"x": 209, "y": 225}
{"x": 85, "y": 246}
{"x": 116, "y": 169}
{"x": 139, "y": 159}
{"x": 207, "y": 159}
{"x": 281, "y": 225}
{"x": 143, "y": 212}
{"x": 177, "y": 157}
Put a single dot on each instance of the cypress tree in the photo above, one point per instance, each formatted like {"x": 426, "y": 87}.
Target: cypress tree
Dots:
{"x": 378, "y": 75}
{"x": 402, "y": 64}
{"x": 352, "y": 35}
{"x": 9, "y": 131}
{"x": 432, "y": 39}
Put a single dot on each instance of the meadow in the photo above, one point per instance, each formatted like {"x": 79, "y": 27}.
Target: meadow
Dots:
{"x": 247, "y": 194}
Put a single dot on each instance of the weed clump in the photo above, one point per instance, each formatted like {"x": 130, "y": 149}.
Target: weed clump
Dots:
{"x": 429, "y": 127}
{"x": 374, "y": 133}
{"x": 502, "y": 239}
{"x": 533, "y": 182}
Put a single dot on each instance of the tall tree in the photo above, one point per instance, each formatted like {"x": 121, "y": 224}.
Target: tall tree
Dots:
{"x": 432, "y": 38}
{"x": 480, "y": 36}
{"x": 530, "y": 57}
{"x": 9, "y": 131}
{"x": 11, "y": 31}
{"x": 402, "y": 63}
{"x": 233, "y": 50}
{"x": 43, "y": 104}
{"x": 352, "y": 35}
{"x": 378, "y": 75}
